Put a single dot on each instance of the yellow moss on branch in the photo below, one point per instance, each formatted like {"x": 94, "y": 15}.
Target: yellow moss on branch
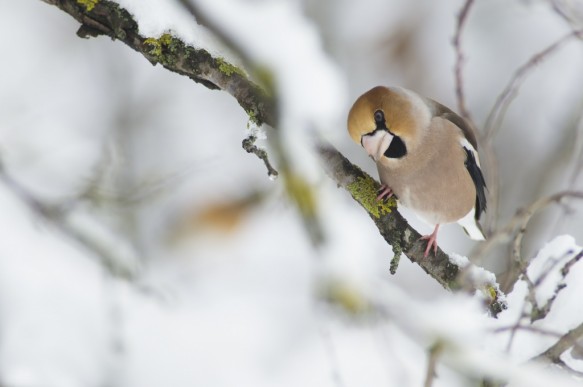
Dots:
{"x": 364, "y": 190}
{"x": 227, "y": 68}
{"x": 156, "y": 47}
{"x": 88, "y": 4}
{"x": 302, "y": 193}
{"x": 163, "y": 48}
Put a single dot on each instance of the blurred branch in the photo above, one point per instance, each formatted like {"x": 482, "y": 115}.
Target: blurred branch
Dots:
{"x": 109, "y": 19}
{"x": 459, "y": 61}
{"x": 434, "y": 353}
{"x": 63, "y": 219}
{"x": 561, "y": 8}
{"x": 514, "y": 231}
{"x": 527, "y": 216}
{"x": 496, "y": 115}
{"x": 554, "y": 352}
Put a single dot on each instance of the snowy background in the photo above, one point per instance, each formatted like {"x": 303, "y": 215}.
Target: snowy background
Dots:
{"x": 226, "y": 287}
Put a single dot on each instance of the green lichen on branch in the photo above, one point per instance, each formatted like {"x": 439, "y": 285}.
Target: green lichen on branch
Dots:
{"x": 252, "y": 118}
{"x": 156, "y": 47}
{"x": 497, "y": 301}
{"x": 345, "y": 295}
{"x": 163, "y": 48}
{"x": 397, "y": 251}
{"x": 227, "y": 68}
{"x": 88, "y": 4}
{"x": 364, "y": 190}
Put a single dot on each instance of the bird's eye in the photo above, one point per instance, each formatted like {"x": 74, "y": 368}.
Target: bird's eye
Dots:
{"x": 379, "y": 116}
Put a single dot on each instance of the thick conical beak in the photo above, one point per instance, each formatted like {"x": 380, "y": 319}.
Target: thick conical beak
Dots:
{"x": 376, "y": 143}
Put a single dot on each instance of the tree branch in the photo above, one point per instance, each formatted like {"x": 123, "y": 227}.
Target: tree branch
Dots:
{"x": 503, "y": 101}
{"x": 459, "y": 61}
{"x": 119, "y": 260}
{"x": 110, "y": 19}
{"x": 554, "y": 352}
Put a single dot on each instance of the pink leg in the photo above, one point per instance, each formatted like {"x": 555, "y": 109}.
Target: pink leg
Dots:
{"x": 385, "y": 192}
{"x": 431, "y": 241}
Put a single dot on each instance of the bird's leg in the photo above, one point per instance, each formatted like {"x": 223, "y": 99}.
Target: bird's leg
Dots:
{"x": 431, "y": 241}
{"x": 385, "y": 192}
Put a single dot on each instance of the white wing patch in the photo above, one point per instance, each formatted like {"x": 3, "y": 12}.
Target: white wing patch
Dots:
{"x": 466, "y": 144}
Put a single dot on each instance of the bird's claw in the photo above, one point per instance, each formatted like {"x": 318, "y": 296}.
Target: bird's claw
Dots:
{"x": 385, "y": 192}
{"x": 431, "y": 241}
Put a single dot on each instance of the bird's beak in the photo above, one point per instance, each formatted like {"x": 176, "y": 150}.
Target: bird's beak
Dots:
{"x": 376, "y": 143}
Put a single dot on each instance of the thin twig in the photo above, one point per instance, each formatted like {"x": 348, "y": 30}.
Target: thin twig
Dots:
{"x": 528, "y": 328}
{"x": 332, "y": 356}
{"x": 497, "y": 113}
{"x": 539, "y": 312}
{"x": 496, "y": 117}
{"x": 250, "y": 147}
{"x": 558, "y": 7}
{"x": 529, "y": 213}
{"x": 459, "y": 62}
{"x": 521, "y": 218}
{"x": 434, "y": 353}
{"x": 516, "y": 326}
{"x": 60, "y": 217}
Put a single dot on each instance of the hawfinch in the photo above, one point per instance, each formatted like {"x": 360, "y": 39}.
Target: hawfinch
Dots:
{"x": 426, "y": 155}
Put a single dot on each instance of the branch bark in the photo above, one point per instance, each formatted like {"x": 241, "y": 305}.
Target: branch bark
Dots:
{"x": 554, "y": 352}
{"x": 108, "y": 18}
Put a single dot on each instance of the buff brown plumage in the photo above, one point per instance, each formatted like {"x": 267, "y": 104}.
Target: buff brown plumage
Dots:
{"x": 425, "y": 154}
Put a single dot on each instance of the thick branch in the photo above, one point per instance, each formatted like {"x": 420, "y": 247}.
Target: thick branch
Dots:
{"x": 398, "y": 233}
{"x": 108, "y": 18}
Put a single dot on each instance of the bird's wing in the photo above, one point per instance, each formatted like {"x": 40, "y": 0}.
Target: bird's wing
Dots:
{"x": 470, "y": 146}
{"x": 444, "y": 112}
{"x": 478, "y": 179}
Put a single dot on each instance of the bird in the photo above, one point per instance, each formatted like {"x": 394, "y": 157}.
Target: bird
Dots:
{"x": 426, "y": 155}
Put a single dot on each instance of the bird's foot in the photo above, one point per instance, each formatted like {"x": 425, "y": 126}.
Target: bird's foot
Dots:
{"x": 431, "y": 241}
{"x": 385, "y": 192}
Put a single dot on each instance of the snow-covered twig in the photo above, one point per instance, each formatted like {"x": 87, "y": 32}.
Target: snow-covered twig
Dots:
{"x": 540, "y": 311}
{"x": 520, "y": 220}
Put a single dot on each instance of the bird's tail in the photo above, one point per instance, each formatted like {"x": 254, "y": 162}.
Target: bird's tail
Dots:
{"x": 472, "y": 227}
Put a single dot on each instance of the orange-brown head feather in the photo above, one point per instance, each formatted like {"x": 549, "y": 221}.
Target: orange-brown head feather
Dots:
{"x": 399, "y": 110}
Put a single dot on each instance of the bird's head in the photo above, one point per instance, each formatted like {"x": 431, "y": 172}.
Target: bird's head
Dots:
{"x": 385, "y": 122}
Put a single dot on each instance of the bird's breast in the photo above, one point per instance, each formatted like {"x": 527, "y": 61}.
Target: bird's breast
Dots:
{"x": 439, "y": 190}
